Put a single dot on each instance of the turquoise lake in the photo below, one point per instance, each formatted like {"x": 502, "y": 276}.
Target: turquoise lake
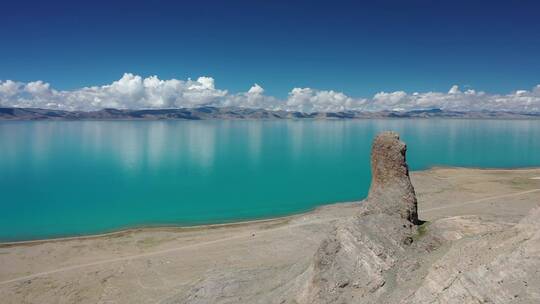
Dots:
{"x": 83, "y": 177}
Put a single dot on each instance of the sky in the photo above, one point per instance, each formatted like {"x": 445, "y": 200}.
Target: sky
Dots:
{"x": 306, "y": 55}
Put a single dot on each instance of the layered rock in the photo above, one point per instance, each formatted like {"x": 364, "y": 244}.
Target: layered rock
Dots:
{"x": 391, "y": 190}
{"x": 356, "y": 261}
{"x": 499, "y": 266}
{"x": 381, "y": 255}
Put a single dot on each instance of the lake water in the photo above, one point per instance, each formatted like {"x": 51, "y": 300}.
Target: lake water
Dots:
{"x": 84, "y": 177}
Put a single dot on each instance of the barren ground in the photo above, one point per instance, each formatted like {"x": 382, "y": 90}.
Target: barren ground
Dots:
{"x": 165, "y": 265}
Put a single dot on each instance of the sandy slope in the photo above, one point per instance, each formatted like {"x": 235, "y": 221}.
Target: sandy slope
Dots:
{"x": 472, "y": 236}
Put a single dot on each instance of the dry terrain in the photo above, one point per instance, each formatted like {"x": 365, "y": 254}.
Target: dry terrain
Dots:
{"x": 477, "y": 246}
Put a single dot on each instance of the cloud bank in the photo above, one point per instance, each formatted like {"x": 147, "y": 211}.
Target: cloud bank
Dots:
{"x": 135, "y": 92}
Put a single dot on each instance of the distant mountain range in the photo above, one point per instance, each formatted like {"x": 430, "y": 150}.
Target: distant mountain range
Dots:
{"x": 234, "y": 113}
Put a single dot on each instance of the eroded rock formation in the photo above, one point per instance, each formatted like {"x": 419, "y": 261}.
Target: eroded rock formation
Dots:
{"x": 391, "y": 190}
{"x": 381, "y": 255}
{"x": 357, "y": 261}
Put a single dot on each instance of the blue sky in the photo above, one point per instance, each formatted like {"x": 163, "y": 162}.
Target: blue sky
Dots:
{"x": 359, "y": 48}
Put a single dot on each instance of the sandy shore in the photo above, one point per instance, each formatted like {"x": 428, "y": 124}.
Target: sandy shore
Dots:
{"x": 159, "y": 265}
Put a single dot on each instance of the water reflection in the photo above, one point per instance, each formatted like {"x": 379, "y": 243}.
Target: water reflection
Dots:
{"x": 137, "y": 144}
{"x": 152, "y": 144}
{"x": 254, "y": 138}
{"x": 157, "y": 143}
{"x": 201, "y": 140}
{"x": 295, "y": 130}
{"x": 81, "y": 177}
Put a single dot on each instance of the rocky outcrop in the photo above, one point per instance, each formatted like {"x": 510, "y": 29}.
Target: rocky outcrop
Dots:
{"x": 391, "y": 190}
{"x": 499, "y": 266}
{"x": 357, "y": 260}
{"x": 381, "y": 254}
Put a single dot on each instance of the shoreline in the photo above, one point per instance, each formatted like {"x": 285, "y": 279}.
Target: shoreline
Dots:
{"x": 472, "y": 209}
{"x": 174, "y": 228}
{"x": 180, "y": 227}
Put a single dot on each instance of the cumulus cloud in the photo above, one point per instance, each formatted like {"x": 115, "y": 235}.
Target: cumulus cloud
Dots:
{"x": 455, "y": 99}
{"x": 135, "y": 92}
{"x": 310, "y": 100}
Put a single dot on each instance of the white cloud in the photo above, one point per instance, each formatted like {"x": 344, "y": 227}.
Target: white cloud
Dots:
{"x": 9, "y": 88}
{"x": 256, "y": 89}
{"x": 454, "y": 90}
{"x": 135, "y": 92}
{"x": 310, "y": 100}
